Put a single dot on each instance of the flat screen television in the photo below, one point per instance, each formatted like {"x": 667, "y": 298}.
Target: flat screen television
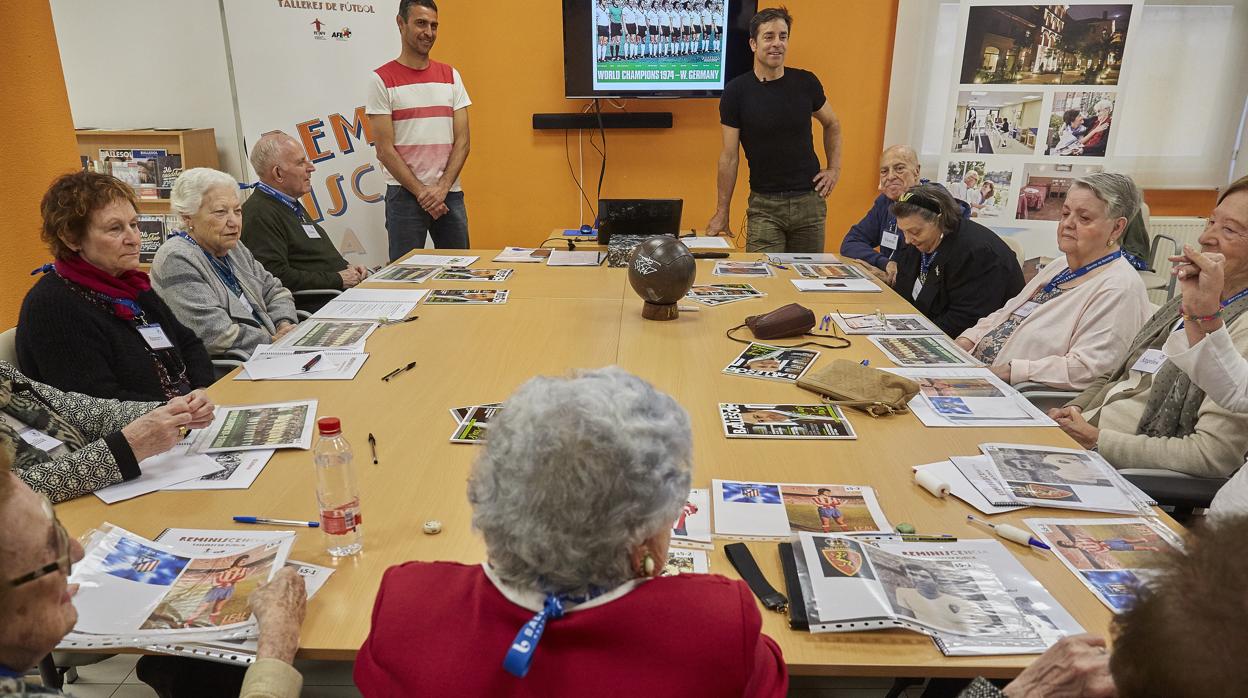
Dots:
{"x": 660, "y": 64}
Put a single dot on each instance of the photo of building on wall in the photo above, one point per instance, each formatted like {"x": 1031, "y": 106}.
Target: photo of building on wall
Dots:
{"x": 1005, "y": 123}
{"x": 1079, "y": 123}
{"x": 1045, "y": 44}
{"x": 1044, "y": 188}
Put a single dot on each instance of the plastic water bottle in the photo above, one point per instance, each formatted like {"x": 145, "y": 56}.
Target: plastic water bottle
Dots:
{"x": 336, "y": 491}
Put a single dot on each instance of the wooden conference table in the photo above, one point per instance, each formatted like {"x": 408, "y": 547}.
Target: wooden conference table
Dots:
{"x": 558, "y": 319}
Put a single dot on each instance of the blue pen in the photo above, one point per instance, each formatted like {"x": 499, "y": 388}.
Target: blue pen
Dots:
{"x": 865, "y": 362}
{"x": 275, "y": 522}
{"x": 1011, "y": 533}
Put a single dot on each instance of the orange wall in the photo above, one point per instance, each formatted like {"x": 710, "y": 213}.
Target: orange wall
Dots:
{"x": 35, "y": 108}
{"x": 517, "y": 182}
{"x": 1180, "y": 202}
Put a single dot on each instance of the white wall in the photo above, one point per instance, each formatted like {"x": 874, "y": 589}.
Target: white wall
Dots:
{"x": 148, "y": 63}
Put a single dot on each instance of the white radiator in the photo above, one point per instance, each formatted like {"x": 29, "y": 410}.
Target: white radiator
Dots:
{"x": 1184, "y": 230}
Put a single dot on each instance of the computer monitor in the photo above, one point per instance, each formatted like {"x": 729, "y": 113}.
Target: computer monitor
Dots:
{"x": 638, "y": 217}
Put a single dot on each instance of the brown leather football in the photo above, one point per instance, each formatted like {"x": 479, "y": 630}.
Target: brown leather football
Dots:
{"x": 661, "y": 270}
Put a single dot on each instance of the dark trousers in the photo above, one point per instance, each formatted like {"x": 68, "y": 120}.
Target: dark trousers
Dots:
{"x": 407, "y": 224}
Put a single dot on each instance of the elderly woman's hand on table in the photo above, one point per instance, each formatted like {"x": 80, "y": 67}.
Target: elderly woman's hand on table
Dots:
{"x": 1071, "y": 421}
{"x": 1076, "y": 667}
{"x": 279, "y": 607}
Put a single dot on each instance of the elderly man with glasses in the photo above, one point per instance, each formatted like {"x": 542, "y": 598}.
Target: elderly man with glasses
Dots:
{"x": 36, "y": 598}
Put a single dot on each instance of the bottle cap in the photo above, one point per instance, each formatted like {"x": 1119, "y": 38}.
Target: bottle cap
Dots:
{"x": 329, "y": 426}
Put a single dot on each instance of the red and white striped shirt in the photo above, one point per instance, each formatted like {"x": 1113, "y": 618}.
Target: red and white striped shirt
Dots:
{"x": 421, "y": 103}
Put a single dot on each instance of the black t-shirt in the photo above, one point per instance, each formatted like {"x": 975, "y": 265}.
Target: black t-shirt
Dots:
{"x": 774, "y": 119}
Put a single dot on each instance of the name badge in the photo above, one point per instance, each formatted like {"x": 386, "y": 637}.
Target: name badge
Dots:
{"x": 242, "y": 297}
{"x": 40, "y": 440}
{"x": 1026, "y": 309}
{"x": 155, "y": 337}
{"x": 918, "y": 288}
{"x": 311, "y": 231}
{"x": 889, "y": 240}
{"x": 1150, "y": 362}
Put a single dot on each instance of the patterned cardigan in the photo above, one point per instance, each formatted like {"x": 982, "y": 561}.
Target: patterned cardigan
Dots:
{"x": 106, "y": 459}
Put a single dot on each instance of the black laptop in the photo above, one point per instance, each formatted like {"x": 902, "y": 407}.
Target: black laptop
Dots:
{"x": 638, "y": 217}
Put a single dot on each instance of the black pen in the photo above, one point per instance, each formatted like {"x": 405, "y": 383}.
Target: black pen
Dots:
{"x": 372, "y": 445}
{"x": 397, "y": 371}
{"x": 308, "y": 366}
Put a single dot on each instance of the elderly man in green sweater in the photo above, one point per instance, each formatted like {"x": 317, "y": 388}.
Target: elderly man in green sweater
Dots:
{"x": 278, "y": 230}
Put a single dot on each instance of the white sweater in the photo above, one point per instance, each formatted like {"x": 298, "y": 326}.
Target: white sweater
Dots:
{"x": 1217, "y": 368}
{"x": 1072, "y": 339}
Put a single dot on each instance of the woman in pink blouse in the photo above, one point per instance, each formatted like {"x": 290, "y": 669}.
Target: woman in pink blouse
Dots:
{"x": 1075, "y": 319}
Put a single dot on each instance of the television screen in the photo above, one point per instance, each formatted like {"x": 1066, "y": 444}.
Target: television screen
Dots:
{"x": 654, "y": 48}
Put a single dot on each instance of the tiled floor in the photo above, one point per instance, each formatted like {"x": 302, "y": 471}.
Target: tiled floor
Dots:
{"x": 114, "y": 678}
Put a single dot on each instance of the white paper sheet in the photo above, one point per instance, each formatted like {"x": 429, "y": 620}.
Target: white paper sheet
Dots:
{"x": 924, "y": 351}
{"x": 837, "y": 285}
{"x": 332, "y": 366}
{"x": 564, "y": 258}
{"x": 707, "y": 243}
{"x": 986, "y": 411}
{"x": 693, "y": 527}
{"x": 257, "y": 427}
{"x": 899, "y": 324}
{"x": 769, "y": 510}
{"x": 327, "y": 335}
{"x": 364, "y": 310}
{"x": 524, "y": 255}
{"x": 960, "y": 487}
{"x": 433, "y": 260}
{"x": 159, "y": 472}
{"x": 239, "y": 470}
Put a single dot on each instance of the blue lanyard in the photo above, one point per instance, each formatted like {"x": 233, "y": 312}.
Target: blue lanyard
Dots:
{"x": 924, "y": 263}
{"x": 1069, "y": 274}
{"x": 520, "y": 654}
{"x": 289, "y": 202}
{"x": 5, "y": 671}
{"x": 222, "y": 267}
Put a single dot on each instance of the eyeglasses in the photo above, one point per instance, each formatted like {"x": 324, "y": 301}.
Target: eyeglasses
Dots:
{"x": 61, "y": 563}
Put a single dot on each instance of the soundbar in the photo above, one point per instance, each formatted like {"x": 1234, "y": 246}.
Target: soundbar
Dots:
{"x": 578, "y": 121}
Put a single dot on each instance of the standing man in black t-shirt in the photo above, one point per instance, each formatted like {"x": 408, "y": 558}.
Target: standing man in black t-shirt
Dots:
{"x": 767, "y": 111}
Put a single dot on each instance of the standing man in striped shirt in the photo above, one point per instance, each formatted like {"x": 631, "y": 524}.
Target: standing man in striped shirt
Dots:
{"x": 418, "y": 111}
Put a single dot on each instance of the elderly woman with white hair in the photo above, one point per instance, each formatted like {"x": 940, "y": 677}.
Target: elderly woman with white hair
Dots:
{"x": 576, "y": 513}
{"x": 1075, "y": 319}
{"x": 213, "y": 283}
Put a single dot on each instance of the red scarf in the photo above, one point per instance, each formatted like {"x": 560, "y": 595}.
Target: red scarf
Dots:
{"x": 127, "y": 286}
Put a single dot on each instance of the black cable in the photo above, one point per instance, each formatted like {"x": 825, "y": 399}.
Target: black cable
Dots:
{"x": 568, "y": 155}
{"x": 571, "y": 244}
{"x": 603, "y": 171}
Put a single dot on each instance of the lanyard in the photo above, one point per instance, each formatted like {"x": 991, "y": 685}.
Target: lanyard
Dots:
{"x": 130, "y": 305}
{"x": 924, "y": 263}
{"x": 520, "y": 654}
{"x": 289, "y": 202}
{"x": 221, "y": 266}
{"x": 7, "y": 672}
{"x": 1069, "y": 274}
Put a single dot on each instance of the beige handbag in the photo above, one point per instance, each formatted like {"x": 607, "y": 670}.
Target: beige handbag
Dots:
{"x": 849, "y": 384}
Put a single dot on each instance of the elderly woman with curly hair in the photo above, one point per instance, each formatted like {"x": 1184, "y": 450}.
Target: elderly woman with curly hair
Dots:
{"x": 576, "y": 520}
{"x": 93, "y": 324}
{"x": 214, "y": 284}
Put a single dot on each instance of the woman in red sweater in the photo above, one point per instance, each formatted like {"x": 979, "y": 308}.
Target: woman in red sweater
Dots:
{"x": 575, "y": 495}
